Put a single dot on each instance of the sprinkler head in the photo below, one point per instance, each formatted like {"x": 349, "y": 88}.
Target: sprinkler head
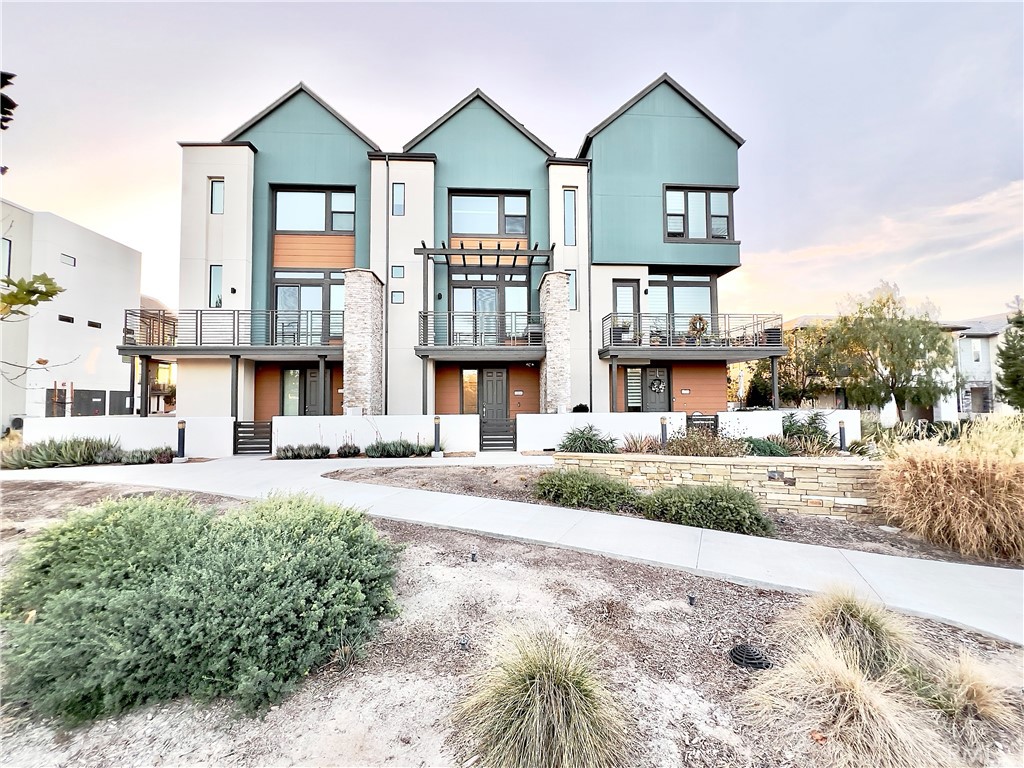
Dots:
{"x": 464, "y": 643}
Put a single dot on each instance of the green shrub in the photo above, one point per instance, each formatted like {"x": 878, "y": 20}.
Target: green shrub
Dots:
{"x": 348, "y": 450}
{"x": 636, "y": 443}
{"x": 718, "y": 507}
{"x": 311, "y": 451}
{"x": 701, "y": 441}
{"x": 146, "y": 599}
{"x": 587, "y": 440}
{"x": 813, "y": 425}
{"x": 543, "y": 704}
{"x": 163, "y": 455}
{"x": 589, "y": 490}
{"x": 396, "y": 449}
{"x": 71, "y": 452}
{"x": 758, "y": 446}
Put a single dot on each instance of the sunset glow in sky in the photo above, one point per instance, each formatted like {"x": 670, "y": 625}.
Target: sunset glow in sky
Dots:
{"x": 883, "y": 141}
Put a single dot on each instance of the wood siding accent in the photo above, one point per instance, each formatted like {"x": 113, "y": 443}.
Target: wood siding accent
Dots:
{"x": 337, "y": 382}
{"x": 320, "y": 251}
{"x": 267, "y": 391}
{"x": 469, "y": 242}
{"x": 707, "y": 384}
{"x": 528, "y": 380}
{"x": 447, "y": 388}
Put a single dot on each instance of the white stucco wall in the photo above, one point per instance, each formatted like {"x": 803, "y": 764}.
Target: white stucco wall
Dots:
{"x": 750, "y": 423}
{"x": 16, "y": 226}
{"x": 209, "y": 437}
{"x": 568, "y": 257}
{"x": 98, "y": 287}
{"x": 404, "y": 233}
{"x": 603, "y": 303}
{"x": 208, "y": 238}
{"x": 458, "y": 433}
{"x": 204, "y": 387}
{"x": 538, "y": 432}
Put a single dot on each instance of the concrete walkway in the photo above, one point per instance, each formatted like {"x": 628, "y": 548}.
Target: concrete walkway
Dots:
{"x": 987, "y": 599}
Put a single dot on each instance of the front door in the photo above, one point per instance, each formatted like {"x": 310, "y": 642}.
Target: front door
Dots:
{"x": 656, "y": 390}
{"x": 493, "y": 401}
{"x": 314, "y": 392}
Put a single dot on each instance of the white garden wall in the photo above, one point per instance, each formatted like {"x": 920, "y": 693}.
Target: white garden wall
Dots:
{"x": 205, "y": 436}
{"x": 458, "y": 433}
{"x": 750, "y": 423}
{"x": 541, "y": 431}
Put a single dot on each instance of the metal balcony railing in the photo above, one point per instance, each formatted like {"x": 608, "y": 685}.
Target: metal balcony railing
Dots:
{"x": 662, "y": 330}
{"x": 233, "y": 327}
{"x": 481, "y": 329}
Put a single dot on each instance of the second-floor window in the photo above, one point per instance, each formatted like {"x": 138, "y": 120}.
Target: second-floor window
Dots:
{"x": 315, "y": 211}
{"x": 698, "y": 214}
{"x": 217, "y": 196}
{"x": 497, "y": 215}
{"x": 7, "y": 258}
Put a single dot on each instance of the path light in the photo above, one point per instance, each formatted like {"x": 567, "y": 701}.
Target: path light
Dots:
{"x": 692, "y": 599}
{"x": 842, "y": 435}
{"x": 464, "y": 643}
{"x": 437, "y": 434}
{"x": 664, "y": 431}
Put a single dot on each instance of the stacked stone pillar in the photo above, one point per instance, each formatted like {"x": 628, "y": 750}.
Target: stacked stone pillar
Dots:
{"x": 364, "y": 342}
{"x": 555, "y": 381}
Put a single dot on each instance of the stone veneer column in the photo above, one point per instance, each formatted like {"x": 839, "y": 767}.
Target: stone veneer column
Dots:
{"x": 555, "y": 383}
{"x": 364, "y": 341}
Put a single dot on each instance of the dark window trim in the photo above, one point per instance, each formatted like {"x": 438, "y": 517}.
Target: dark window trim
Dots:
{"x": 397, "y": 271}
{"x": 209, "y": 286}
{"x": 575, "y": 215}
{"x": 499, "y": 284}
{"x": 325, "y": 282}
{"x": 8, "y": 256}
{"x": 94, "y": 324}
{"x": 711, "y": 285}
{"x": 501, "y": 195}
{"x": 65, "y": 318}
{"x": 327, "y": 231}
{"x": 398, "y": 297}
{"x": 665, "y": 188}
{"x": 394, "y": 185}
{"x": 213, "y": 181}
{"x": 66, "y": 258}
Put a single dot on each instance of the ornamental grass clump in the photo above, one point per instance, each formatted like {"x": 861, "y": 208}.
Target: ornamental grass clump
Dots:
{"x": 543, "y": 704}
{"x": 311, "y": 451}
{"x": 587, "y": 439}
{"x": 638, "y": 443}
{"x": 717, "y": 507}
{"x": 757, "y": 446}
{"x": 146, "y": 599}
{"x": 579, "y": 488}
{"x": 396, "y": 449}
{"x": 702, "y": 441}
{"x": 69, "y": 452}
{"x": 967, "y": 494}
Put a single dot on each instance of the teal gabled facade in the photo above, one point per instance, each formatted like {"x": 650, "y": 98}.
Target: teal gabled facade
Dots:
{"x": 479, "y": 147}
{"x": 663, "y": 136}
{"x": 300, "y": 140}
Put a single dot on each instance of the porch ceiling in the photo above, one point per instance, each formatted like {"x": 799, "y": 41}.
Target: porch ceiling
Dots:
{"x": 171, "y": 353}
{"x": 682, "y": 354}
{"x": 483, "y": 354}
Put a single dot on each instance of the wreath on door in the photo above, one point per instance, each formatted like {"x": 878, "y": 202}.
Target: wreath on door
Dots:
{"x": 657, "y": 386}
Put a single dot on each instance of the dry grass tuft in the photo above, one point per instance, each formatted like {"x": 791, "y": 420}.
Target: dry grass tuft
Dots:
{"x": 823, "y": 699}
{"x": 880, "y": 640}
{"x": 542, "y": 704}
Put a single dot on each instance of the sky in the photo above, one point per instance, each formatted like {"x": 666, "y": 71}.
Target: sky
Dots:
{"x": 883, "y": 141}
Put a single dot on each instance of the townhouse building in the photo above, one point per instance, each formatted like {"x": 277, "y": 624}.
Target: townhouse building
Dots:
{"x": 472, "y": 272}
{"x": 61, "y": 359}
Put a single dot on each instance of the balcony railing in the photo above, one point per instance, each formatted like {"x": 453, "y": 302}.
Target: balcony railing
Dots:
{"x": 233, "y": 327}
{"x": 481, "y": 329}
{"x": 663, "y": 330}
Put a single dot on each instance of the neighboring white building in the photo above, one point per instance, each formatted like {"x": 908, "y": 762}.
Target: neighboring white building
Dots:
{"x": 77, "y": 333}
{"x": 977, "y": 344}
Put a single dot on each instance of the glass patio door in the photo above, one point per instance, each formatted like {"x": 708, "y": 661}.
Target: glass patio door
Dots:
{"x": 474, "y": 316}
{"x": 299, "y": 314}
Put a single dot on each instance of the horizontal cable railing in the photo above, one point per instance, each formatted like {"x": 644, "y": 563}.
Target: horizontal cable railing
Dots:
{"x": 481, "y": 329}
{"x": 698, "y": 330}
{"x": 233, "y": 327}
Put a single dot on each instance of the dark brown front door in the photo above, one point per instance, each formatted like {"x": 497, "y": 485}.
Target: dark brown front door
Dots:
{"x": 493, "y": 402}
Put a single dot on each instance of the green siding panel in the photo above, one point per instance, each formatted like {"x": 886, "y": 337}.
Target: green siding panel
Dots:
{"x": 661, "y": 140}
{"x": 302, "y": 143}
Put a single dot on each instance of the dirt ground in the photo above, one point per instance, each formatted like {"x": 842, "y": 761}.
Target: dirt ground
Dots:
{"x": 665, "y": 660}
{"x": 516, "y": 484}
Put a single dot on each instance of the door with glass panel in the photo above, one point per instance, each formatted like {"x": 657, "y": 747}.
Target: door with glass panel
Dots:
{"x": 626, "y": 322}
{"x": 299, "y": 319}
{"x": 490, "y": 309}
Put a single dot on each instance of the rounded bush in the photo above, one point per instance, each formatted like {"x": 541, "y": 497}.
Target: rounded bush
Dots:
{"x": 582, "y": 489}
{"x": 348, "y": 450}
{"x": 717, "y": 507}
{"x": 758, "y": 446}
{"x": 587, "y": 439}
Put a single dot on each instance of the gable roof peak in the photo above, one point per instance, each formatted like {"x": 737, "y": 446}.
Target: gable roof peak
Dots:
{"x": 301, "y": 86}
{"x": 663, "y": 79}
{"x": 479, "y": 94}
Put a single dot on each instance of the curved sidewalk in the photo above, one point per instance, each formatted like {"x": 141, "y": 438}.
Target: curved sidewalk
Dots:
{"x": 990, "y": 600}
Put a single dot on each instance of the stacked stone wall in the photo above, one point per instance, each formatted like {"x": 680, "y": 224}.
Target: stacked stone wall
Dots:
{"x": 364, "y": 341}
{"x": 555, "y": 376}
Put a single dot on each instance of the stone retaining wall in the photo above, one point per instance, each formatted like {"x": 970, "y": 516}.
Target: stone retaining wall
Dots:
{"x": 809, "y": 486}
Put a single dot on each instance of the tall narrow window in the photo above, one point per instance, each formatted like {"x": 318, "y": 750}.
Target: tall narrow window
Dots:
{"x": 398, "y": 199}
{"x": 216, "y": 282}
{"x": 569, "y": 199}
{"x": 216, "y": 195}
{"x": 573, "y": 299}
{"x": 469, "y": 390}
{"x": 7, "y": 257}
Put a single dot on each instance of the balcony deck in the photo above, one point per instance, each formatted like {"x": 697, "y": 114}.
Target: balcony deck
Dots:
{"x": 253, "y": 334}
{"x": 481, "y": 335}
{"x": 730, "y": 337}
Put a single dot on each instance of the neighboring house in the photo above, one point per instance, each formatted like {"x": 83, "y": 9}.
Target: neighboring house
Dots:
{"x": 472, "y": 272}
{"x": 977, "y": 343}
{"x": 62, "y": 360}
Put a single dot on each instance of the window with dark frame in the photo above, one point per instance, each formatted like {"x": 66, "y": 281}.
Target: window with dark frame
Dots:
{"x": 569, "y": 203}
{"x": 322, "y": 211}
{"x": 217, "y": 196}
{"x": 216, "y": 297}
{"x": 397, "y": 271}
{"x": 489, "y": 215}
{"x": 94, "y": 324}
{"x": 65, "y": 318}
{"x": 398, "y": 297}
{"x": 71, "y": 261}
{"x": 698, "y": 214}
{"x": 7, "y": 257}
{"x": 310, "y": 291}
{"x": 398, "y": 198}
